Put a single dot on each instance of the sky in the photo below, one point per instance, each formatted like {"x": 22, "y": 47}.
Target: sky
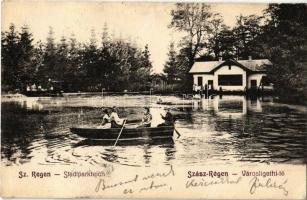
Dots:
{"x": 142, "y": 23}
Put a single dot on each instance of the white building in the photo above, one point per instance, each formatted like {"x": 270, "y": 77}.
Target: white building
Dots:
{"x": 229, "y": 75}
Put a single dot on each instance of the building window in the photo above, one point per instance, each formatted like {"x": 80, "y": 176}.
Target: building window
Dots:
{"x": 265, "y": 81}
{"x": 230, "y": 80}
{"x": 200, "y": 81}
{"x": 253, "y": 83}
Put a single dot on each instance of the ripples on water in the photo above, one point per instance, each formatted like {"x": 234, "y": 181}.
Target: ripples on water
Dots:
{"x": 223, "y": 130}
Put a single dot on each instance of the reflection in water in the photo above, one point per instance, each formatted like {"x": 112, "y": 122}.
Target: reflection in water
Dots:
{"x": 220, "y": 130}
{"x": 234, "y": 106}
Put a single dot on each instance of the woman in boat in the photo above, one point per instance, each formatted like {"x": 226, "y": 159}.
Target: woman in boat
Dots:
{"x": 116, "y": 122}
{"x": 147, "y": 118}
{"x": 105, "y": 120}
{"x": 168, "y": 118}
{"x": 106, "y": 117}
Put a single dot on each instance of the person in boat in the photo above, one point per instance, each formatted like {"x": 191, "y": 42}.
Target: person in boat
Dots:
{"x": 168, "y": 118}
{"x": 105, "y": 119}
{"x": 147, "y": 118}
{"x": 116, "y": 122}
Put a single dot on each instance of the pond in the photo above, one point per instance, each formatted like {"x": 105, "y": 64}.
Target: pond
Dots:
{"x": 220, "y": 130}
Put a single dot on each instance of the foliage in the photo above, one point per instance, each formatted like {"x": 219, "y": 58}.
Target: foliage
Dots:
{"x": 221, "y": 39}
{"x": 279, "y": 35}
{"x": 192, "y": 19}
{"x": 116, "y": 65}
{"x": 170, "y": 67}
{"x": 246, "y": 32}
{"x": 17, "y": 54}
{"x": 285, "y": 44}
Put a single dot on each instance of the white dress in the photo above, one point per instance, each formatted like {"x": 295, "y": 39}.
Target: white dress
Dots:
{"x": 114, "y": 116}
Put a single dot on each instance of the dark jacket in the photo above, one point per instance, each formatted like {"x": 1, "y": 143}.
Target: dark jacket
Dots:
{"x": 168, "y": 118}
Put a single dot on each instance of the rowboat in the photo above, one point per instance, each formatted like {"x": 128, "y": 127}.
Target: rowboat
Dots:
{"x": 127, "y": 133}
{"x": 166, "y": 142}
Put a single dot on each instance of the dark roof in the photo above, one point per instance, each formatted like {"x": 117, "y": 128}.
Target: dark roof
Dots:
{"x": 209, "y": 66}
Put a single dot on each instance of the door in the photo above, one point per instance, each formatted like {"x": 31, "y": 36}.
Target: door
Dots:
{"x": 200, "y": 81}
{"x": 253, "y": 84}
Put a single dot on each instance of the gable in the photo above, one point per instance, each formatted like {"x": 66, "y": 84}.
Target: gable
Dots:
{"x": 230, "y": 62}
{"x": 248, "y": 65}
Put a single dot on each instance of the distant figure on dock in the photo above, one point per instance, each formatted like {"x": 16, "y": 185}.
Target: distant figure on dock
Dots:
{"x": 33, "y": 87}
{"x": 116, "y": 122}
{"x": 168, "y": 118}
{"x": 194, "y": 88}
{"x": 147, "y": 118}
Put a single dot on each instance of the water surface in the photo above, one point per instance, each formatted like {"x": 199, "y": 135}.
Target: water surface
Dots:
{"x": 221, "y": 130}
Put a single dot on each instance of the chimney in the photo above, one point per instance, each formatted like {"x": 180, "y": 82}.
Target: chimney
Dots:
{"x": 220, "y": 59}
{"x": 249, "y": 58}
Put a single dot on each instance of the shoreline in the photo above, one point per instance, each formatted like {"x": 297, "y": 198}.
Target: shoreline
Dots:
{"x": 276, "y": 99}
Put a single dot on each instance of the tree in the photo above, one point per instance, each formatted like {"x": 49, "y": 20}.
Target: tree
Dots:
{"x": 105, "y": 39}
{"x": 145, "y": 68}
{"x": 170, "y": 67}
{"x": 73, "y": 66}
{"x": 62, "y": 61}
{"x": 146, "y": 63}
{"x": 285, "y": 44}
{"x": 227, "y": 42}
{"x": 194, "y": 20}
{"x": 37, "y": 61}
{"x": 76, "y": 66}
{"x": 27, "y": 69}
{"x": 10, "y": 53}
{"x": 246, "y": 32}
{"x": 47, "y": 69}
{"x": 90, "y": 63}
{"x": 216, "y": 40}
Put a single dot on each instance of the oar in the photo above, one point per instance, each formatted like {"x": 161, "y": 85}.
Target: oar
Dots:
{"x": 121, "y": 130}
{"x": 176, "y": 129}
{"x": 177, "y": 132}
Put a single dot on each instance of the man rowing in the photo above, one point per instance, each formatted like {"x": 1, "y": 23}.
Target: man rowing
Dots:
{"x": 168, "y": 118}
